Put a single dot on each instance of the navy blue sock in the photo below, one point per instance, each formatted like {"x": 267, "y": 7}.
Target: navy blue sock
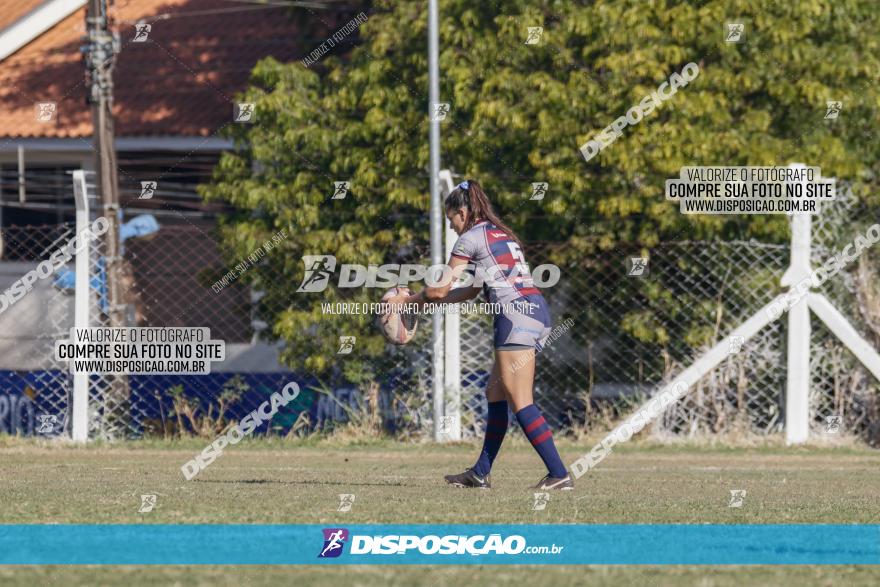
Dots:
{"x": 496, "y": 428}
{"x": 538, "y": 432}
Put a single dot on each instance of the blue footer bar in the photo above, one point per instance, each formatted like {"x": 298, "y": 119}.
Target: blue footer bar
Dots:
{"x": 148, "y": 544}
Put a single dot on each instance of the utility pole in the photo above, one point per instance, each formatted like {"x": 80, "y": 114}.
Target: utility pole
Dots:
{"x": 99, "y": 60}
{"x": 436, "y": 215}
{"x": 99, "y": 57}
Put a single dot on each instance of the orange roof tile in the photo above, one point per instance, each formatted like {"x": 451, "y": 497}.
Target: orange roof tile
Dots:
{"x": 181, "y": 82}
{"x": 12, "y": 10}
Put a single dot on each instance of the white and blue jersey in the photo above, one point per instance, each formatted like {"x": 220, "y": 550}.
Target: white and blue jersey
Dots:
{"x": 524, "y": 319}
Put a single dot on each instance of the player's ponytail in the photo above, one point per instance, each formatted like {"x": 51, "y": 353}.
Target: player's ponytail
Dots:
{"x": 469, "y": 194}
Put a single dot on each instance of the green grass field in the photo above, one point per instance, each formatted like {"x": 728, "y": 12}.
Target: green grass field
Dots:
{"x": 275, "y": 481}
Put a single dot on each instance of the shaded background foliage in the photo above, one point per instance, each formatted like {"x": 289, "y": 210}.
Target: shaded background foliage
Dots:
{"x": 518, "y": 115}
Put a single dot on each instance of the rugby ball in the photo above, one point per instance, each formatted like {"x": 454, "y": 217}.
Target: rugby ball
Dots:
{"x": 398, "y": 328}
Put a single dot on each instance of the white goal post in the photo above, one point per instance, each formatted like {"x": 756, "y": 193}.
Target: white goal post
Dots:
{"x": 797, "y": 401}
{"x": 451, "y": 341}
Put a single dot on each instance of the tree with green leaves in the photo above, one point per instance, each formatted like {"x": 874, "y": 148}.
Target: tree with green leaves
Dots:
{"x": 518, "y": 114}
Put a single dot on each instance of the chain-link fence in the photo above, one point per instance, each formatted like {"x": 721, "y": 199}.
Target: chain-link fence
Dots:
{"x": 634, "y": 331}
{"x": 631, "y": 333}
{"x": 164, "y": 284}
{"x": 630, "y": 328}
{"x": 35, "y": 389}
{"x": 842, "y": 392}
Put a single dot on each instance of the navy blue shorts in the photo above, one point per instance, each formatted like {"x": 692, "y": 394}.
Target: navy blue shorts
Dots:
{"x": 524, "y": 323}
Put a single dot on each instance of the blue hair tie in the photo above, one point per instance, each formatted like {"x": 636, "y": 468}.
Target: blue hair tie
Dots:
{"x": 463, "y": 185}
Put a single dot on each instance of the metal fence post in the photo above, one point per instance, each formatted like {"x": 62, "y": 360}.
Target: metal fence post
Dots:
{"x": 436, "y": 212}
{"x": 797, "y": 391}
{"x": 452, "y": 342}
{"x": 80, "y": 409}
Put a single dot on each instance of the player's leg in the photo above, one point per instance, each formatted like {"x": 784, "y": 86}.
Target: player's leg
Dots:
{"x": 496, "y": 423}
{"x": 496, "y": 428}
{"x": 517, "y": 366}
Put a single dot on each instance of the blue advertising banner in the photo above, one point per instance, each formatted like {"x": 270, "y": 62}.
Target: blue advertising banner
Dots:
{"x": 161, "y": 544}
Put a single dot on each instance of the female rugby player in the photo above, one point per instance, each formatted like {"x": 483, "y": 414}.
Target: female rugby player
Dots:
{"x": 489, "y": 247}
